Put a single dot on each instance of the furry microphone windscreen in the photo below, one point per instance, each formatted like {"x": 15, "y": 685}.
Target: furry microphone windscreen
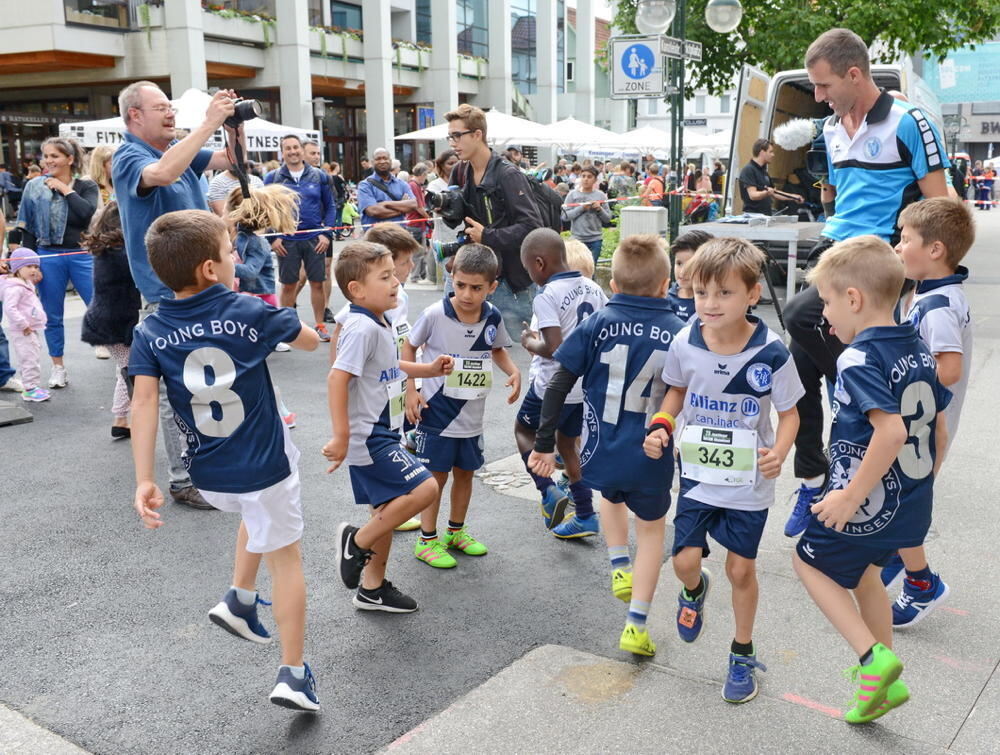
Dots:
{"x": 796, "y": 133}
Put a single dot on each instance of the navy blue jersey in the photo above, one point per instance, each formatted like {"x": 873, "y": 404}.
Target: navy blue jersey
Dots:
{"x": 683, "y": 308}
{"x": 619, "y": 352}
{"x": 210, "y": 349}
{"x": 891, "y": 369}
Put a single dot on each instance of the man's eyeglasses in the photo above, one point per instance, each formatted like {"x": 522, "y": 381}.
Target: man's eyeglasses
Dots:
{"x": 161, "y": 109}
{"x": 454, "y": 136}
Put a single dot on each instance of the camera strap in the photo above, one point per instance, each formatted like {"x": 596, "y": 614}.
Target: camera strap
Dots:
{"x": 240, "y": 168}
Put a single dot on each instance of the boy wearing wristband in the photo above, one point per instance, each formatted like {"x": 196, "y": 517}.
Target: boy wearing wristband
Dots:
{"x": 618, "y": 354}
{"x": 725, "y": 371}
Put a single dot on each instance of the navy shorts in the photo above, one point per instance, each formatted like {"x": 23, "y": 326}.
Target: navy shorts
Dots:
{"x": 570, "y": 418}
{"x": 842, "y": 559}
{"x": 393, "y": 473}
{"x": 300, "y": 253}
{"x": 648, "y": 505}
{"x": 736, "y": 530}
{"x": 440, "y": 454}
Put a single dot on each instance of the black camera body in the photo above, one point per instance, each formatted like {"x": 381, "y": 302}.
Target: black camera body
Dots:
{"x": 450, "y": 205}
{"x": 245, "y": 111}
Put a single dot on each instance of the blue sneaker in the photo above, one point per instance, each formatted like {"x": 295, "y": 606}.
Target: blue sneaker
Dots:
{"x": 554, "y": 505}
{"x": 741, "y": 684}
{"x": 798, "y": 520}
{"x": 892, "y": 572}
{"x": 913, "y": 604}
{"x": 575, "y": 527}
{"x": 239, "y": 619}
{"x": 691, "y": 613}
{"x": 296, "y": 694}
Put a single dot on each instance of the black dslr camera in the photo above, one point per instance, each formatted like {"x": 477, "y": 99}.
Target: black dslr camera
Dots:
{"x": 245, "y": 110}
{"x": 451, "y": 206}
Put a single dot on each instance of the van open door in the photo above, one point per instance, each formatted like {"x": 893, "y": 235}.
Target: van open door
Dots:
{"x": 748, "y": 126}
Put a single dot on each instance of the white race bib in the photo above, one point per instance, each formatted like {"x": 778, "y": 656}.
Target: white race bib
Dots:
{"x": 400, "y": 330}
{"x": 719, "y": 457}
{"x": 471, "y": 379}
{"x": 397, "y": 403}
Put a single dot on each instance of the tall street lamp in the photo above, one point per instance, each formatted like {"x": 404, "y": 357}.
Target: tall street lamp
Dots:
{"x": 655, "y": 17}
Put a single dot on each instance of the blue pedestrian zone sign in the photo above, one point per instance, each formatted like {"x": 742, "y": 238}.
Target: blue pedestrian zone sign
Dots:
{"x": 637, "y": 67}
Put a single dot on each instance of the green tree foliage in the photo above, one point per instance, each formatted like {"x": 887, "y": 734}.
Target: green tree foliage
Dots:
{"x": 774, "y": 34}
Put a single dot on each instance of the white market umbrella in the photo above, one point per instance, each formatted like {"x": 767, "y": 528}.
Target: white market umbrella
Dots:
{"x": 646, "y": 139}
{"x": 716, "y": 144}
{"x": 577, "y": 136}
{"x": 501, "y": 129}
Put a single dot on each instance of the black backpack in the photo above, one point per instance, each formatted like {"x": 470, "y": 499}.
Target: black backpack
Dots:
{"x": 549, "y": 203}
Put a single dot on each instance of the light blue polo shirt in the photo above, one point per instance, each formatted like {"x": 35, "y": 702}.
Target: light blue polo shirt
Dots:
{"x": 139, "y": 211}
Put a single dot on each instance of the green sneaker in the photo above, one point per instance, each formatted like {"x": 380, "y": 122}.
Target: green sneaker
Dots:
{"x": 434, "y": 553}
{"x": 621, "y": 584}
{"x": 874, "y": 679}
{"x": 636, "y": 641}
{"x": 896, "y": 696}
{"x": 463, "y": 541}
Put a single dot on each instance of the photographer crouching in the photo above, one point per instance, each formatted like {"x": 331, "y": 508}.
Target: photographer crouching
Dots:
{"x": 499, "y": 210}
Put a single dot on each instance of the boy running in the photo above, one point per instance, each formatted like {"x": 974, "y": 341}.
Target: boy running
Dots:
{"x": 365, "y": 389}
{"x": 884, "y": 449}
{"x": 619, "y": 352}
{"x": 209, "y": 344}
{"x": 936, "y": 235}
{"x": 448, "y": 410}
{"x": 564, "y": 300}
{"x": 725, "y": 371}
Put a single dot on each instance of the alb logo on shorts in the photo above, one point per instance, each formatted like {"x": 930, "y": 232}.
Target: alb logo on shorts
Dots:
{"x": 872, "y": 148}
{"x": 881, "y": 504}
{"x": 759, "y": 376}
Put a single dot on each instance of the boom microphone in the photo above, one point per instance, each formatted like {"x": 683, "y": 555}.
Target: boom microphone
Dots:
{"x": 797, "y": 133}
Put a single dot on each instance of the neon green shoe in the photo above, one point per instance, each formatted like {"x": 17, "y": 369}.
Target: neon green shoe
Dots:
{"x": 896, "y": 696}
{"x": 409, "y": 525}
{"x": 621, "y": 584}
{"x": 463, "y": 541}
{"x": 637, "y": 641}
{"x": 874, "y": 679}
{"x": 434, "y": 553}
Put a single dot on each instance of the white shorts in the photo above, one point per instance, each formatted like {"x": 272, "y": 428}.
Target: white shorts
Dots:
{"x": 273, "y": 516}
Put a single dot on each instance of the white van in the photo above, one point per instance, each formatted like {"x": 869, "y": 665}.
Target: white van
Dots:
{"x": 764, "y": 103}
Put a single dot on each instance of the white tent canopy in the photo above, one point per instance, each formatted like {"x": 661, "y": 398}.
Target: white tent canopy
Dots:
{"x": 574, "y": 135}
{"x": 262, "y": 135}
{"x": 501, "y": 129}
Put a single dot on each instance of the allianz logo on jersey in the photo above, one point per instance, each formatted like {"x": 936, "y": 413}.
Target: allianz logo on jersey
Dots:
{"x": 393, "y": 373}
{"x": 748, "y": 407}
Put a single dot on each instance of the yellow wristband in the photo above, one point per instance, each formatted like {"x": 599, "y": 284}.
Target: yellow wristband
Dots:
{"x": 667, "y": 416}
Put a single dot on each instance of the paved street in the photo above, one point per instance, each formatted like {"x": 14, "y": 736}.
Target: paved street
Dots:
{"x": 106, "y": 642}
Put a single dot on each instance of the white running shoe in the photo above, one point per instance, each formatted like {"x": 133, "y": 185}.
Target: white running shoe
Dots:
{"x": 58, "y": 378}
{"x": 282, "y": 346}
{"x": 13, "y": 385}
{"x": 101, "y": 352}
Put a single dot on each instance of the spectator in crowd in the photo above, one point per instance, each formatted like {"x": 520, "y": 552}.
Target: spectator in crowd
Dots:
{"x": 153, "y": 174}
{"x": 443, "y": 233}
{"x": 417, "y": 226}
{"x": 756, "y": 187}
{"x": 99, "y": 171}
{"x": 718, "y": 173}
{"x": 382, "y": 197}
{"x": 588, "y": 210}
{"x": 314, "y": 156}
{"x": 55, "y": 212}
{"x": 222, "y": 184}
{"x": 366, "y": 168}
{"x": 653, "y": 190}
{"x": 33, "y": 171}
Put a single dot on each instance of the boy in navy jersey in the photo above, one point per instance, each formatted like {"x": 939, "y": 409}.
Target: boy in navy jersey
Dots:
{"x": 209, "y": 344}
{"x": 726, "y": 371}
{"x": 681, "y": 251}
{"x": 619, "y": 353}
{"x": 884, "y": 443}
{"x": 448, "y": 410}
{"x": 365, "y": 390}
{"x": 564, "y": 300}
{"x": 936, "y": 235}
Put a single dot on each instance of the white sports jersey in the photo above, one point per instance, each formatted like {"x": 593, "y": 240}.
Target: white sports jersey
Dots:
{"x": 940, "y": 313}
{"x": 397, "y": 317}
{"x": 367, "y": 350}
{"x": 734, "y": 391}
{"x": 439, "y": 331}
{"x": 564, "y": 302}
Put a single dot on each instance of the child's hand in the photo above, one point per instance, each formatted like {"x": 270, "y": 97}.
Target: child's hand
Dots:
{"x": 541, "y": 464}
{"x": 527, "y": 334}
{"x": 514, "y": 383}
{"x": 148, "y": 498}
{"x": 443, "y": 365}
{"x": 335, "y": 451}
{"x": 768, "y": 463}
{"x": 415, "y": 404}
{"x": 836, "y": 509}
{"x": 655, "y": 442}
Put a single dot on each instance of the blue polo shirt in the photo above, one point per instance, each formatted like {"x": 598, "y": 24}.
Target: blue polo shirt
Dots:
{"x": 371, "y": 192}
{"x": 138, "y": 211}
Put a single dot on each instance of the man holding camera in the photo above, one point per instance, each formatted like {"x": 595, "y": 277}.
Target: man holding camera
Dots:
{"x": 307, "y": 247}
{"x": 501, "y": 209}
{"x": 153, "y": 174}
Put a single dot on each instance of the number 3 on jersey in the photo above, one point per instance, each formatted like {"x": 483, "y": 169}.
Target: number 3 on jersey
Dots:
{"x": 217, "y": 410}
{"x": 629, "y": 398}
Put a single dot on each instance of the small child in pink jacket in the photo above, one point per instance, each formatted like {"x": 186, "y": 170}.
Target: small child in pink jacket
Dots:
{"x": 25, "y": 317}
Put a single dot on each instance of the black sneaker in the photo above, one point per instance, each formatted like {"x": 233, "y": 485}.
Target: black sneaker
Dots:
{"x": 328, "y": 315}
{"x": 351, "y": 558}
{"x": 385, "y": 598}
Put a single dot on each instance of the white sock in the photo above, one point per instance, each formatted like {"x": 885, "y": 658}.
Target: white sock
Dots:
{"x": 246, "y": 597}
{"x": 814, "y": 482}
{"x": 299, "y": 672}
